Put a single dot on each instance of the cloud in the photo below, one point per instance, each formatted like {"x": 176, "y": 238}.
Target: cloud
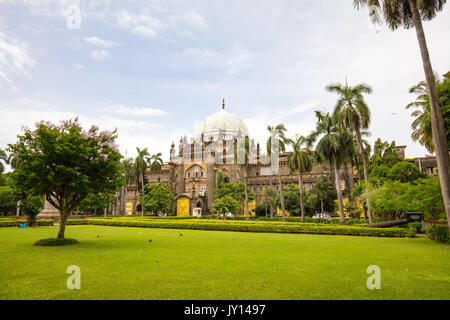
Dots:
{"x": 78, "y": 66}
{"x": 15, "y": 60}
{"x": 141, "y": 24}
{"x": 105, "y": 44}
{"x": 99, "y": 54}
{"x": 136, "y": 111}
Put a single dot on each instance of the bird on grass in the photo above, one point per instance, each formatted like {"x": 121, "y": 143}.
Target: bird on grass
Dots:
{"x": 181, "y": 234}
{"x": 150, "y": 240}
{"x": 98, "y": 236}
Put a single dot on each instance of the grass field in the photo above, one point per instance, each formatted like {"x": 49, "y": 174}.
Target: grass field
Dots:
{"x": 122, "y": 264}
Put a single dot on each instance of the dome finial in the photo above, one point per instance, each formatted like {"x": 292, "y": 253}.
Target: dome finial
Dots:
{"x": 223, "y": 103}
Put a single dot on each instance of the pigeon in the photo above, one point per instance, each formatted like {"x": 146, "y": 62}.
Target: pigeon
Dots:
{"x": 150, "y": 240}
{"x": 181, "y": 234}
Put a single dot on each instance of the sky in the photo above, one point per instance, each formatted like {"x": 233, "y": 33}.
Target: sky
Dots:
{"x": 155, "y": 69}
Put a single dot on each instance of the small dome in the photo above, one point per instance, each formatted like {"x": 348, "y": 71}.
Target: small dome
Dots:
{"x": 224, "y": 122}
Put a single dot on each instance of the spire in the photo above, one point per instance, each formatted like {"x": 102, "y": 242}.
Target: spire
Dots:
{"x": 223, "y": 103}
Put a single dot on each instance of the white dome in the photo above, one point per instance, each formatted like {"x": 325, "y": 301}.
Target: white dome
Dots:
{"x": 226, "y": 123}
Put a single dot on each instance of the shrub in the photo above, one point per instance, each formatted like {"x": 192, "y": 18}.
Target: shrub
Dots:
{"x": 14, "y": 223}
{"x": 443, "y": 234}
{"x": 415, "y": 226}
{"x": 251, "y": 226}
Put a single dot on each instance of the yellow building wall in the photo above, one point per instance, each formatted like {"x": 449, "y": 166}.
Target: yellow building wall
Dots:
{"x": 129, "y": 208}
{"x": 251, "y": 206}
{"x": 183, "y": 208}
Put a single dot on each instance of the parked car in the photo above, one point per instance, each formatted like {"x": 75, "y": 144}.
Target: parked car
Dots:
{"x": 325, "y": 216}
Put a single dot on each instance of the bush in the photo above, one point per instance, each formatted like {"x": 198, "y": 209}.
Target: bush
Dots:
{"x": 251, "y": 226}
{"x": 260, "y": 210}
{"x": 14, "y": 223}
{"x": 55, "y": 242}
{"x": 415, "y": 226}
{"x": 443, "y": 234}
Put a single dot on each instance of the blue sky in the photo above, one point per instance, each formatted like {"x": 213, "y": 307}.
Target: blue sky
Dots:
{"x": 156, "y": 69}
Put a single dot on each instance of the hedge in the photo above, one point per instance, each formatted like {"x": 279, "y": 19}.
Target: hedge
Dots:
{"x": 14, "y": 223}
{"x": 263, "y": 227}
{"x": 443, "y": 233}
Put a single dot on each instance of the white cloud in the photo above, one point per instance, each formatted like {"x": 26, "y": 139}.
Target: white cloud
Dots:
{"x": 136, "y": 111}
{"x": 14, "y": 58}
{"x": 101, "y": 43}
{"x": 99, "y": 54}
{"x": 141, "y": 24}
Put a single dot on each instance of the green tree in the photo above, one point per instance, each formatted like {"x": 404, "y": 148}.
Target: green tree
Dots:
{"x": 66, "y": 164}
{"x": 8, "y": 200}
{"x": 333, "y": 148}
{"x": 325, "y": 194}
{"x": 3, "y": 159}
{"x": 384, "y": 154}
{"x": 292, "y": 200}
{"x": 269, "y": 199}
{"x": 300, "y": 161}
{"x": 226, "y": 204}
{"x": 31, "y": 206}
{"x": 410, "y": 13}
{"x": 221, "y": 178}
{"x": 155, "y": 162}
{"x": 352, "y": 114}
{"x": 140, "y": 166}
{"x": 405, "y": 172}
{"x": 427, "y": 192}
{"x": 422, "y": 131}
{"x": 277, "y": 144}
{"x": 157, "y": 198}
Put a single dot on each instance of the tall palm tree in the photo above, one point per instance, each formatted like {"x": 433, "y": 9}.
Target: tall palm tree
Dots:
{"x": 269, "y": 198}
{"x": 334, "y": 147}
{"x": 155, "y": 162}
{"x": 278, "y": 137}
{"x": 410, "y": 13}
{"x": 140, "y": 166}
{"x": 352, "y": 114}
{"x": 129, "y": 178}
{"x": 422, "y": 130}
{"x": 300, "y": 160}
{"x": 244, "y": 145}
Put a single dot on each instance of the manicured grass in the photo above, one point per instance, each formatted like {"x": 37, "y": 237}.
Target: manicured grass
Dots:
{"x": 120, "y": 263}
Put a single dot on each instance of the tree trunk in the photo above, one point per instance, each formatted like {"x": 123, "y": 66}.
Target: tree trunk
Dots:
{"x": 18, "y": 208}
{"x": 321, "y": 205}
{"x": 388, "y": 224}
{"x": 300, "y": 185}
{"x": 62, "y": 223}
{"x": 246, "y": 200}
{"x": 125, "y": 201}
{"x": 437, "y": 123}
{"x": 366, "y": 173}
{"x": 339, "y": 191}
{"x": 283, "y": 213}
{"x": 433, "y": 221}
{"x": 142, "y": 206}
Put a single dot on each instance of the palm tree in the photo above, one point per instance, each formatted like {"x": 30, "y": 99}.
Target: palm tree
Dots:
{"x": 243, "y": 144}
{"x": 278, "y": 137}
{"x": 129, "y": 178}
{"x": 410, "y": 13}
{"x": 140, "y": 166}
{"x": 269, "y": 198}
{"x": 4, "y": 158}
{"x": 352, "y": 114}
{"x": 422, "y": 130}
{"x": 300, "y": 160}
{"x": 333, "y": 148}
{"x": 155, "y": 162}
{"x": 321, "y": 190}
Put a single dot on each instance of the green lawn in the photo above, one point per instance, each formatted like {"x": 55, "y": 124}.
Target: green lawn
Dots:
{"x": 122, "y": 264}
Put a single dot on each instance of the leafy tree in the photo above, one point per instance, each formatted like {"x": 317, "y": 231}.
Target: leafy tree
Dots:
{"x": 384, "y": 154}
{"x": 379, "y": 175}
{"x": 226, "y": 204}
{"x": 155, "y": 162}
{"x": 405, "y": 172}
{"x": 66, "y": 164}
{"x": 279, "y": 140}
{"x": 235, "y": 190}
{"x": 333, "y": 148}
{"x": 140, "y": 166}
{"x": 422, "y": 131}
{"x": 157, "y": 198}
{"x": 3, "y": 158}
{"x": 300, "y": 160}
{"x": 96, "y": 201}
{"x": 428, "y": 194}
{"x": 221, "y": 178}
{"x": 292, "y": 200}
{"x": 410, "y": 13}
{"x": 31, "y": 206}
{"x": 269, "y": 199}
{"x": 322, "y": 195}
{"x": 8, "y": 200}
{"x": 352, "y": 114}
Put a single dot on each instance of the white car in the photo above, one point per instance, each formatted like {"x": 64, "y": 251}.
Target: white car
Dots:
{"x": 325, "y": 216}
